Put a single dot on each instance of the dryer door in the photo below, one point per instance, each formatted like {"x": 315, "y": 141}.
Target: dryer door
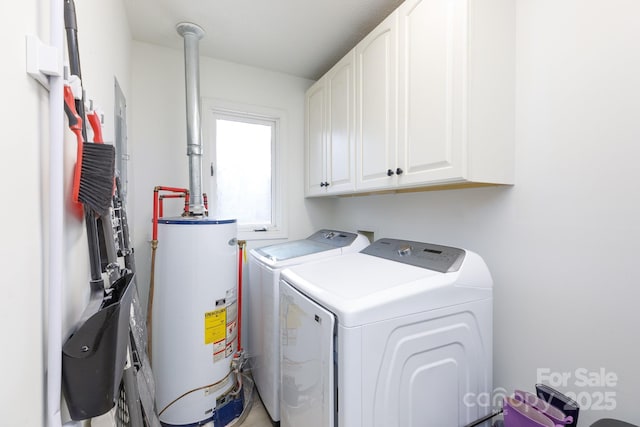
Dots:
{"x": 306, "y": 361}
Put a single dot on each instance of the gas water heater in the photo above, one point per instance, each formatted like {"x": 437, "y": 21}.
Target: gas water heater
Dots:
{"x": 194, "y": 298}
{"x": 194, "y": 319}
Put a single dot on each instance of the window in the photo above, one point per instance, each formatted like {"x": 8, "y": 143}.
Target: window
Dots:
{"x": 244, "y": 146}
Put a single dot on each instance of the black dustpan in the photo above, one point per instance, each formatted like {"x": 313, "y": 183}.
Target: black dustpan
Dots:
{"x": 94, "y": 357}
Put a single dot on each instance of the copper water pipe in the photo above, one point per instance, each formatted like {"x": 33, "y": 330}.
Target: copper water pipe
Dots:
{"x": 154, "y": 245}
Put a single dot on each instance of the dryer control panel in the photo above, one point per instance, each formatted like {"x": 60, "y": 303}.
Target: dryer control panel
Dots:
{"x": 444, "y": 259}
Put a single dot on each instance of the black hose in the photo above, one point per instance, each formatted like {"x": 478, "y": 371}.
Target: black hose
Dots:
{"x": 71, "y": 30}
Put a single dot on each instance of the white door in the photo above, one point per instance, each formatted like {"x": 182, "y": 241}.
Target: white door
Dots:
{"x": 376, "y": 106}
{"x": 432, "y": 90}
{"x": 315, "y": 139}
{"x": 340, "y": 143}
{"x": 306, "y": 361}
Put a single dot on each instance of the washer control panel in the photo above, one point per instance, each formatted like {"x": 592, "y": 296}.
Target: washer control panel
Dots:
{"x": 335, "y": 238}
{"x": 444, "y": 259}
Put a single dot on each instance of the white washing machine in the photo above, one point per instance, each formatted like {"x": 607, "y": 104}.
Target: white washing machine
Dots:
{"x": 397, "y": 335}
{"x": 265, "y": 265}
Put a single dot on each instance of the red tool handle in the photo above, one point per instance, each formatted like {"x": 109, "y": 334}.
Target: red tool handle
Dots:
{"x": 75, "y": 121}
{"x": 75, "y": 124}
{"x": 94, "y": 121}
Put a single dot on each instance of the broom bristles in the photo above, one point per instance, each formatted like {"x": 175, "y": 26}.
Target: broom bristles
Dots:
{"x": 96, "y": 176}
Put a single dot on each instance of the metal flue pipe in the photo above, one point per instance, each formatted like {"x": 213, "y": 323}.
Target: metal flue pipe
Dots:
{"x": 192, "y": 33}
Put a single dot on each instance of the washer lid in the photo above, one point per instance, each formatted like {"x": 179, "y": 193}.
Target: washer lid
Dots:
{"x": 360, "y": 288}
{"x": 294, "y": 249}
{"x": 319, "y": 241}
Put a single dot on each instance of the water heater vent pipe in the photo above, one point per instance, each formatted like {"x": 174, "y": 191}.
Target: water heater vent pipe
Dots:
{"x": 192, "y": 33}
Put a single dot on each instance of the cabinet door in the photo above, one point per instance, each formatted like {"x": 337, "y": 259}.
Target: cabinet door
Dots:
{"x": 340, "y": 142}
{"x": 376, "y": 106}
{"x": 315, "y": 139}
{"x": 432, "y": 90}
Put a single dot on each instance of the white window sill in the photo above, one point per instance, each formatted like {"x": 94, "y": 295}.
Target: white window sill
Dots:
{"x": 250, "y": 235}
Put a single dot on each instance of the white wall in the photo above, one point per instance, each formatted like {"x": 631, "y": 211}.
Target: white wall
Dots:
{"x": 562, "y": 243}
{"x": 21, "y": 225}
{"x": 24, "y": 219}
{"x": 157, "y": 137}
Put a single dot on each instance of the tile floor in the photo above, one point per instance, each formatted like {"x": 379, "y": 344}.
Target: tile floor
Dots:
{"x": 258, "y": 416}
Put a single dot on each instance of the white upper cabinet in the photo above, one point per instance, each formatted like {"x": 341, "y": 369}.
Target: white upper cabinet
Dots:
{"x": 315, "y": 106}
{"x": 431, "y": 86}
{"x": 376, "y": 59}
{"x": 456, "y": 82}
{"x": 434, "y": 99}
{"x": 330, "y": 127}
{"x": 341, "y": 128}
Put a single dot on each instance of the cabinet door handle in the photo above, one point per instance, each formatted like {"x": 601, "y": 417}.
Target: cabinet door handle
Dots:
{"x": 326, "y": 184}
{"x": 322, "y": 184}
{"x": 390, "y": 172}
{"x": 399, "y": 171}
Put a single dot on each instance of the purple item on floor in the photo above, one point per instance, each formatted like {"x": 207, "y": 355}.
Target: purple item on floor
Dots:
{"x": 556, "y": 415}
{"x": 560, "y": 401}
{"x": 520, "y": 414}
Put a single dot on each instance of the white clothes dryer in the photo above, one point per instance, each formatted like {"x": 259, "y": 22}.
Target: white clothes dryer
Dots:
{"x": 397, "y": 335}
{"x": 265, "y": 265}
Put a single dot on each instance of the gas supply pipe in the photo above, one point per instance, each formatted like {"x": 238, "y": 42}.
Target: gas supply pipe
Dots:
{"x": 241, "y": 249}
{"x": 238, "y": 359}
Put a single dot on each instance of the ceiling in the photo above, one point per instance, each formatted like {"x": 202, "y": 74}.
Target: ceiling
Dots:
{"x": 303, "y": 38}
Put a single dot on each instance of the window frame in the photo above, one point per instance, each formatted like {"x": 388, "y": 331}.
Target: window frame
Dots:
{"x": 216, "y": 108}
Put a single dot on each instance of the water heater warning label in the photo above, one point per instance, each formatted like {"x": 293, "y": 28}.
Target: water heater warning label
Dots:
{"x": 215, "y": 326}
